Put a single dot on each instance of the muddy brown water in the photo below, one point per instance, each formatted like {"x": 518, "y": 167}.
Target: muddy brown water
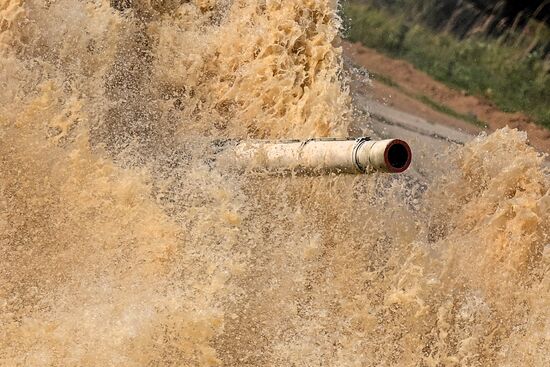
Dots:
{"x": 122, "y": 244}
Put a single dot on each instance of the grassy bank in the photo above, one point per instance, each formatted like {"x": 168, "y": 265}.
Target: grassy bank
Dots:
{"x": 506, "y": 75}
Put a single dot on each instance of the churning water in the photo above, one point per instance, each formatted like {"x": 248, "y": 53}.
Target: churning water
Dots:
{"x": 121, "y": 244}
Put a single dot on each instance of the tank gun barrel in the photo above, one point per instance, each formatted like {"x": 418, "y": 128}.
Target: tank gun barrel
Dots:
{"x": 324, "y": 155}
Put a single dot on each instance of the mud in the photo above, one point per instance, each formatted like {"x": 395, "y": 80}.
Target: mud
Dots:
{"x": 121, "y": 244}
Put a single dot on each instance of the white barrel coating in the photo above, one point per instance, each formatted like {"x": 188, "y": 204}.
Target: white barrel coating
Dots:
{"x": 326, "y": 155}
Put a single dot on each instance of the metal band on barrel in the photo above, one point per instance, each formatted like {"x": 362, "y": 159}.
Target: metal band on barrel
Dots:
{"x": 354, "y": 156}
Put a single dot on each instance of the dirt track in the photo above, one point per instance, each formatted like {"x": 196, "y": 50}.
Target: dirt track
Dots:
{"x": 430, "y": 133}
{"x": 389, "y": 103}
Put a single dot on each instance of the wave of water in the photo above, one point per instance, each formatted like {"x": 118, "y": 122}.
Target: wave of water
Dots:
{"x": 121, "y": 245}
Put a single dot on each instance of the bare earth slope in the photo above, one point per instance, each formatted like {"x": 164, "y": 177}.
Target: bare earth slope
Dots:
{"x": 415, "y": 82}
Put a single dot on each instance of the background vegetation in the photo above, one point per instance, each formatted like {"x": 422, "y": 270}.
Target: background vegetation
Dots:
{"x": 507, "y": 64}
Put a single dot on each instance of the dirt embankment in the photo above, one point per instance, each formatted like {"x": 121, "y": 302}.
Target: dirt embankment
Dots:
{"x": 413, "y": 82}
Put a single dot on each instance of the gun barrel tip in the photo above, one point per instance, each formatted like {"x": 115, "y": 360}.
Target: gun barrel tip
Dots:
{"x": 398, "y": 156}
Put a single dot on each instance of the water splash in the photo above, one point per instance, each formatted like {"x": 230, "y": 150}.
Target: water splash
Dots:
{"x": 120, "y": 243}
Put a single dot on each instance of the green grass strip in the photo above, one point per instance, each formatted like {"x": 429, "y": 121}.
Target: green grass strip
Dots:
{"x": 502, "y": 73}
